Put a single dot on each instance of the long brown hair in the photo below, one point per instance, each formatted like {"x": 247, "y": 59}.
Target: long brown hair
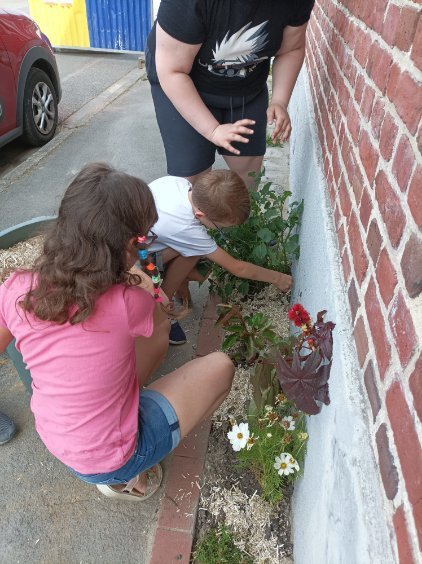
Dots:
{"x": 85, "y": 250}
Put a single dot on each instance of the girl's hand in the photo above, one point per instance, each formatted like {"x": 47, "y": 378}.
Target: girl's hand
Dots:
{"x": 278, "y": 114}
{"x": 227, "y": 133}
{"x": 284, "y": 282}
{"x": 147, "y": 284}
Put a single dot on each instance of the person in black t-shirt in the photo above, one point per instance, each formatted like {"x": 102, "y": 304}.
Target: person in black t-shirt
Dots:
{"x": 208, "y": 62}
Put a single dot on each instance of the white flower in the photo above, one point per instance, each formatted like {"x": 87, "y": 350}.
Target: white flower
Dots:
{"x": 285, "y": 464}
{"x": 268, "y": 408}
{"x": 239, "y": 436}
{"x": 269, "y": 435}
{"x": 288, "y": 423}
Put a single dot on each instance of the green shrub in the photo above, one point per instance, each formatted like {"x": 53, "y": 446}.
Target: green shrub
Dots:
{"x": 268, "y": 238}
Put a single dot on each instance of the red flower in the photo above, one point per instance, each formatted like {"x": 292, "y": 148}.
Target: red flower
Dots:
{"x": 299, "y": 315}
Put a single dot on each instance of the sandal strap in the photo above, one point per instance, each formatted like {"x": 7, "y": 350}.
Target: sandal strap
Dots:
{"x": 131, "y": 484}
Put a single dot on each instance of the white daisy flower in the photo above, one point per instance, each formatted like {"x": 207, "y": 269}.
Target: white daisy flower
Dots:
{"x": 239, "y": 436}
{"x": 285, "y": 464}
{"x": 269, "y": 435}
{"x": 288, "y": 423}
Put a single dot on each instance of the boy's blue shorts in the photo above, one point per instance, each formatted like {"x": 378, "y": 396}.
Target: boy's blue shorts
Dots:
{"x": 158, "y": 435}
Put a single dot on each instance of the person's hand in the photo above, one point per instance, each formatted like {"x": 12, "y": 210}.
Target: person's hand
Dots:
{"x": 278, "y": 114}
{"x": 284, "y": 282}
{"x": 147, "y": 284}
{"x": 225, "y": 134}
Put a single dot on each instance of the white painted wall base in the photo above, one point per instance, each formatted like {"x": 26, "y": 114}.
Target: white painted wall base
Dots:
{"x": 339, "y": 515}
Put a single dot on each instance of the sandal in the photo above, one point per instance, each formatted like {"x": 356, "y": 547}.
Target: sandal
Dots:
{"x": 154, "y": 478}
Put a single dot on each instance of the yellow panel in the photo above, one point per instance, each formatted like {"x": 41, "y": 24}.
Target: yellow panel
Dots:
{"x": 64, "y": 22}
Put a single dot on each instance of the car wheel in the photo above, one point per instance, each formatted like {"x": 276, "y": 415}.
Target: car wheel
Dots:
{"x": 40, "y": 110}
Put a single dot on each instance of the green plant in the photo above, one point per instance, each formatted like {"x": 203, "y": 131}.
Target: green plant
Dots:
{"x": 270, "y": 142}
{"x": 248, "y": 336}
{"x": 218, "y": 547}
{"x": 268, "y": 238}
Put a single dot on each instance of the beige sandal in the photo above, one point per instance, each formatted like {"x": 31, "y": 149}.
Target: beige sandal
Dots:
{"x": 154, "y": 478}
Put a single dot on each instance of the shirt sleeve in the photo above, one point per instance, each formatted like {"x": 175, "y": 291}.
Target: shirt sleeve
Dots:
{"x": 2, "y": 306}
{"x": 140, "y": 310}
{"x": 183, "y": 19}
{"x": 300, "y": 12}
{"x": 193, "y": 241}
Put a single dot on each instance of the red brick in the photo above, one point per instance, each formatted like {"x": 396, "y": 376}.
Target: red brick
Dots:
{"x": 372, "y": 390}
{"x": 404, "y": 160}
{"x": 336, "y": 166}
{"x": 411, "y": 264}
{"x": 406, "y": 28}
{"x": 408, "y": 101}
{"x": 403, "y": 542}
{"x": 401, "y": 324}
{"x": 406, "y": 441}
{"x": 360, "y": 83}
{"x": 346, "y": 266}
{"x": 360, "y": 261}
{"x": 341, "y": 237}
{"x": 390, "y": 208}
{"x": 171, "y": 546}
{"x": 356, "y": 180}
{"x": 210, "y": 338}
{"x": 353, "y": 121}
{"x": 343, "y": 191}
{"x": 362, "y": 47}
{"x": 388, "y": 136}
{"x": 414, "y": 196}
{"x": 387, "y": 277}
{"x": 361, "y": 340}
{"x": 210, "y": 310}
{"x": 377, "y": 325}
{"x": 367, "y": 102}
{"x": 378, "y": 66}
{"x": 416, "y": 53}
{"x": 181, "y": 497}
{"x": 393, "y": 80}
{"x": 365, "y": 208}
{"x": 415, "y": 385}
{"x": 388, "y": 470}
{"x": 377, "y": 117}
{"x": 195, "y": 444}
{"x": 374, "y": 241}
{"x": 417, "y": 515}
{"x": 390, "y": 24}
{"x": 353, "y": 299}
{"x": 369, "y": 156}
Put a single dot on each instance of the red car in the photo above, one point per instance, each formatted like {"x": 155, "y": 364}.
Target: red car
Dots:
{"x": 29, "y": 81}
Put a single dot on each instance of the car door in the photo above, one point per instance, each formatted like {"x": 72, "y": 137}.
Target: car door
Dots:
{"x": 7, "y": 89}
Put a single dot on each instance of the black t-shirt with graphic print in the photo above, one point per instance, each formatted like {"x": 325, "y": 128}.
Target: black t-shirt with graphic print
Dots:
{"x": 238, "y": 39}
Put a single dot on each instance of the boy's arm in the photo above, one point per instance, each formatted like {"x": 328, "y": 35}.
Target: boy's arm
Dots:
{"x": 6, "y": 338}
{"x": 250, "y": 271}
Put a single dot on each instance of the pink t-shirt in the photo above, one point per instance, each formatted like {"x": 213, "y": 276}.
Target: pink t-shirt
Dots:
{"x": 85, "y": 391}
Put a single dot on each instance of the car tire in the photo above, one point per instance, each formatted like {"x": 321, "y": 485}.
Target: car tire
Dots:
{"x": 40, "y": 108}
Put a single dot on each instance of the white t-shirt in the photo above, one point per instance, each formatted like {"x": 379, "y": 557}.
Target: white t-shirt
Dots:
{"x": 177, "y": 226}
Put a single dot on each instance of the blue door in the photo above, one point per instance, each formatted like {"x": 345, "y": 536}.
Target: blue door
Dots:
{"x": 119, "y": 24}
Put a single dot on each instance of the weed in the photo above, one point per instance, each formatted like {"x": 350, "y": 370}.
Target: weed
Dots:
{"x": 218, "y": 547}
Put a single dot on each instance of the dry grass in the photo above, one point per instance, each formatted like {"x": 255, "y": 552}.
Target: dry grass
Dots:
{"x": 21, "y": 255}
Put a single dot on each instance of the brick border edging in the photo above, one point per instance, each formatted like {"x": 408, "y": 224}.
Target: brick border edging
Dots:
{"x": 173, "y": 537}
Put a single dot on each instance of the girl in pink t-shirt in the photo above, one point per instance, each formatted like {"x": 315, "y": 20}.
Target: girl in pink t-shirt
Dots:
{"x": 92, "y": 334}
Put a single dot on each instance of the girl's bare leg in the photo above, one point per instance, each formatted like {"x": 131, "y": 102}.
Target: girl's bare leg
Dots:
{"x": 197, "y": 388}
{"x": 151, "y": 351}
{"x": 243, "y": 166}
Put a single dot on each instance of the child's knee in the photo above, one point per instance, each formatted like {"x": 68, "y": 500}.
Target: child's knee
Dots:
{"x": 224, "y": 366}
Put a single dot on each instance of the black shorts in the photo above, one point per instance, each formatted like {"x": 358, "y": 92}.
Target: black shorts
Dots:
{"x": 187, "y": 151}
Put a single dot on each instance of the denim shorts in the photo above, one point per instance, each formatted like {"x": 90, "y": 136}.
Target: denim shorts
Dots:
{"x": 158, "y": 435}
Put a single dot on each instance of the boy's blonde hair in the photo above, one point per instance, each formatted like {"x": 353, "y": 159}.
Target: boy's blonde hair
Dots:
{"x": 222, "y": 196}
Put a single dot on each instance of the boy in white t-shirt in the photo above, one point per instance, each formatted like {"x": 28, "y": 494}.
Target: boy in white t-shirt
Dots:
{"x": 218, "y": 199}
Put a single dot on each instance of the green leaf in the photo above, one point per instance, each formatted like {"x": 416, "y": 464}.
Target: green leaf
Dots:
{"x": 260, "y": 252}
{"x": 228, "y": 342}
{"x": 265, "y": 235}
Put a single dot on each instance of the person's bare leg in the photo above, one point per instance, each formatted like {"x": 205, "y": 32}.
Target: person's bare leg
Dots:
{"x": 197, "y": 388}
{"x": 243, "y": 166}
{"x": 176, "y": 273}
{"x": 195, "y": 177}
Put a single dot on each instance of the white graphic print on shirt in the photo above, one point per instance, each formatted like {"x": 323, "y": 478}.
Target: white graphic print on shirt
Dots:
{"x": 237, "y": 55}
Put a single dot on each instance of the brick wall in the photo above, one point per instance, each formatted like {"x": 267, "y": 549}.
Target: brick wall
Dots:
{"x": 364, "y": 60}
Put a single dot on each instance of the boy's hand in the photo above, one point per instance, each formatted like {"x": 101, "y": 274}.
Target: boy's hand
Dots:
{"x": 278, "y": 114}
{"x": 284, "y": 282}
